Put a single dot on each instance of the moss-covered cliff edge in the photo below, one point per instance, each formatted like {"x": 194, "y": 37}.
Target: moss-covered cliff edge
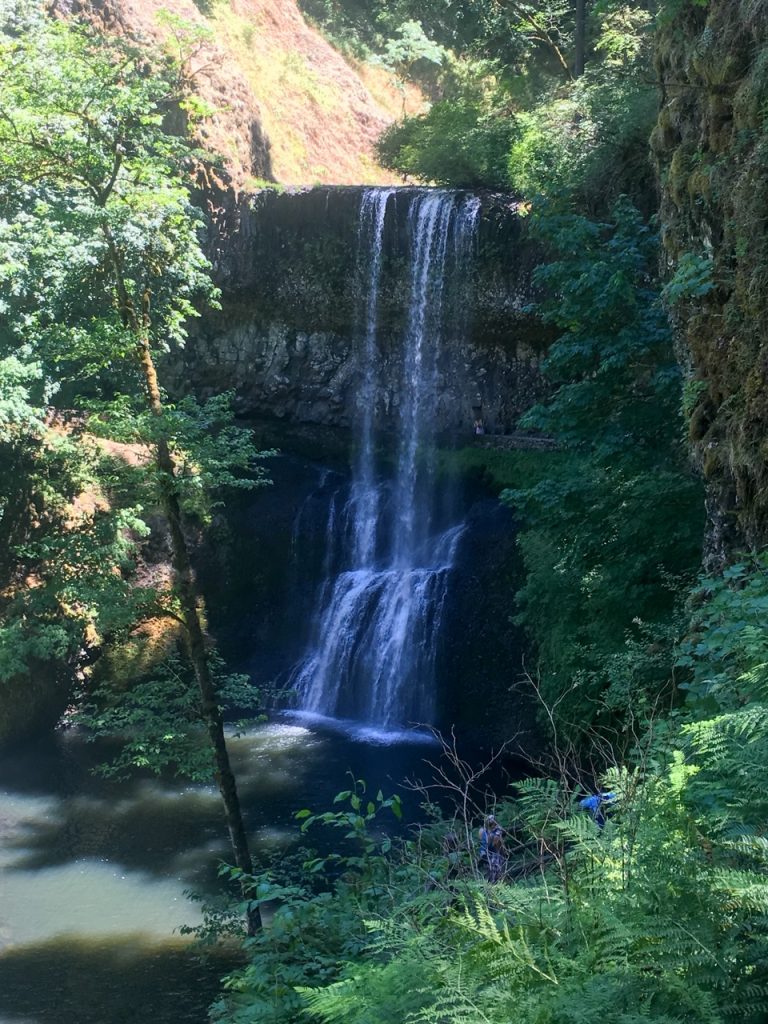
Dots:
{"x": 711, "y": 146}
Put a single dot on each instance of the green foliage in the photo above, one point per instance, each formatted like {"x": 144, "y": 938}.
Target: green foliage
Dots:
{"x": 592, "y": 142}
{"x": 728, "y": 645}
{"x": 659, "y": 916}
{"x": 88, "y": 171}
{"x": 410, "y": 46}
{"x": 671, "y": 9}
{"x": 612, "y": 534}
{"x": 499, "y": 469}
{"x": 212, "y": 454}
{"x": 480, "y": 27}
{"x": 102, "y": 230}
{"x": 462, "y": 140}
{"x": 510, "y": 114}
{"x": 60, "y": 565}
{"x": 692, "y": 278}
{"x": 316, "y": 928}
{"x": 102, "y": 269}
{"x": 105, "y": 231}
{"x": 616, "y": 377}
{"x": 592, "y": 139}
{"x": 354, "y": 823}
{"x": 159, "y": 722}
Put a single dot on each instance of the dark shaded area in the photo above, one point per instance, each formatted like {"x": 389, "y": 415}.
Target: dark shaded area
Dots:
{"x": 482, "y": 652}
{"x": 110, "y": 981}
{"x": 145, "y": 833}
{"x": 47, "y": 688}
{"x": 140, "y": 823}
{"x": 259, "y": 592}
{"x": 261, "y": 157}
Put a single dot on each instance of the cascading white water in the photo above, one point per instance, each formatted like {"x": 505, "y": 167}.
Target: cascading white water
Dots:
{"x": 365, "y": 494}
{"x": 372, "y": 657}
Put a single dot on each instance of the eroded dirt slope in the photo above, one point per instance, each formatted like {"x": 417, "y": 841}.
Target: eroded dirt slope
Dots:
{"x": 289, "y": 107}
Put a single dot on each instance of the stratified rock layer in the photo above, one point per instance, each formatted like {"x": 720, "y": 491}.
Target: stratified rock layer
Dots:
{"x": 288, "y": 337}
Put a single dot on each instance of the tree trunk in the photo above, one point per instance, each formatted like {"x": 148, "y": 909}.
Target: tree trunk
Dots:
{"x": 194, "y": 634}
{"x": 196, "y": 646}
{"x": 540, "y": 34}
{"x": 579, "y": 58}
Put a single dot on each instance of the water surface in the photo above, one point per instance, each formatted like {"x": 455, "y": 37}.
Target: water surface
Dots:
{"x": 93, "y": 873}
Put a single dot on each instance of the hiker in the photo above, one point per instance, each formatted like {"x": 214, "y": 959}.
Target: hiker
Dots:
{"x": 493, "y": 854}
{"x": 596, "y": 804}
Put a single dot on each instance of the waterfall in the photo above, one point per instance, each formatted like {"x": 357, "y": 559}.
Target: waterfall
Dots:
{"x": 377, "y": 621}
{"x": 365, "y": 494}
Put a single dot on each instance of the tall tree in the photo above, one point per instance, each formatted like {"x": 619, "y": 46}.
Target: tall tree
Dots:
{"x": 95, "y": 190}
{"x": 580, "y": 38}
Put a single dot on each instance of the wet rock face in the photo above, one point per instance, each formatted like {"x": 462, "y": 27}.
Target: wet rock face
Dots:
{"x": 288, "y": 338}
{"x": 711, "y": 153}
{"x": 482, "y": 655}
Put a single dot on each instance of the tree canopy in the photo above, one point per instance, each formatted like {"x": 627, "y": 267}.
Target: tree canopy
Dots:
{"x": 103, "y": 239}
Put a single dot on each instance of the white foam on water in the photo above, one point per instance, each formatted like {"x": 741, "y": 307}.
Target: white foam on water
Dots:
{"x": 366, "y": 733}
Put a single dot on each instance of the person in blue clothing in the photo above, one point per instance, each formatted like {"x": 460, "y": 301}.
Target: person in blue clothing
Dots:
{"x": 596, "y": 804}
{"x": 492, "y": 854}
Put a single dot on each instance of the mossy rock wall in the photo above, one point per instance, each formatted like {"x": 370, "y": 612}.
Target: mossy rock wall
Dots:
{"x": 711, "y": 147}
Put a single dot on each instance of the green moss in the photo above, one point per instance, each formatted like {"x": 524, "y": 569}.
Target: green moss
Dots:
{"x": 750, "y": 103}
{"x": 712, "y": 152}
{"x": 131, "y": 659}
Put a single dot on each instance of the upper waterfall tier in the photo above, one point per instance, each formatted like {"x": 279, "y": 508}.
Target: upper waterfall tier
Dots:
{"x": 288, "y": 338}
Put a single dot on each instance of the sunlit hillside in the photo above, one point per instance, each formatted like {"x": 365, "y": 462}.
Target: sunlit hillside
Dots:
{"x": 289, "y": 106}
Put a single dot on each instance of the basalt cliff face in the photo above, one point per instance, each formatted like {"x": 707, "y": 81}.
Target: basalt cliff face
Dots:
{"x": 712, "y": 151}
{"x": 288, "y": 338}
{"x": 290, "y": 109}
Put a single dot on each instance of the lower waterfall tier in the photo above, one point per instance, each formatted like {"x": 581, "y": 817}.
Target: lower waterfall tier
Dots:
{"x": 264, "y": 615}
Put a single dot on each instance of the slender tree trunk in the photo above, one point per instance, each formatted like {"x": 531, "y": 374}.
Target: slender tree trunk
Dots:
{"x": 580, "y": 38}
{"x": 198, "y": 653}
{"x": 185, "y": 584}
{"x": 187, "y": 596}
{"x": 539, "y": 33}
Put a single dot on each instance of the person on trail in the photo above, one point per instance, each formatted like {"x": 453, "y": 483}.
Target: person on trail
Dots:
{"x": 596, "y": 804}
{"x": 493, "y": 854}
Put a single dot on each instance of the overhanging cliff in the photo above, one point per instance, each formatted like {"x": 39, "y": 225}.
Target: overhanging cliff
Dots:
{"x": 288, "y": 337}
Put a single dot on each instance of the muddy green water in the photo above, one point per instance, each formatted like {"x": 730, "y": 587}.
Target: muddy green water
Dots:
{"x": 93, "y": 874}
